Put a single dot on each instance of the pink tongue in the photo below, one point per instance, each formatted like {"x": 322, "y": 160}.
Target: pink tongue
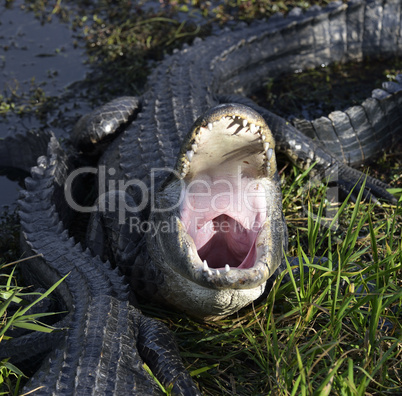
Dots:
{"x": 230, "y": 244}
{"x": 223, "y": 215}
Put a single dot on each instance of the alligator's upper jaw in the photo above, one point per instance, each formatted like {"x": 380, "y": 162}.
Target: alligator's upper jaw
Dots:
{"x": 229, "y": 200}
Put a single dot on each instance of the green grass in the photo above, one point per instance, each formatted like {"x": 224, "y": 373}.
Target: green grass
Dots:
{"x": 315, "y": 335}
{"x": 21, "y": 317}
{"x": 325, "y": 333}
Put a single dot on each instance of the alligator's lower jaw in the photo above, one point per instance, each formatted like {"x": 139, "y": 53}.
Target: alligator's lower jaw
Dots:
{"x": 203, "y": 302}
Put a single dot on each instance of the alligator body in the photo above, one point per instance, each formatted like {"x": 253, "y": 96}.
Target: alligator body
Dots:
{"x": 186, "y": 131}
{"x": 184, "y": 269}
{"x": 105, "y": 340}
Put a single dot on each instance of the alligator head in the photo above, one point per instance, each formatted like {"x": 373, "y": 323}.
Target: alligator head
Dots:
{"x": 225, "y": 233}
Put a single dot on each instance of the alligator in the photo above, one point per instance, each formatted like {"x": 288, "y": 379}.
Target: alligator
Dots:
{"x": 192, "y": 128}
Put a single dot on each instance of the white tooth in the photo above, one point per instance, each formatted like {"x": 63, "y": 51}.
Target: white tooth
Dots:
{"x": 182, "y": 174}
{"x": 190, "y": 155}
{"x": 266, "y": 146}
{"x": 244, "y": 123}
{"x": 234, "y": 117}
{"x": 205, "y": 267}
{"x": 194, "y": 147}
{"x": 262, "y": 137}
{"x": 227, "y": 268}
{"x": 217, "y": 272}
{"x": 210, "y": 126}
{"x": 269, "y": 153}
{"x": 253, "y": 128}
{"x": 209, "y": 272}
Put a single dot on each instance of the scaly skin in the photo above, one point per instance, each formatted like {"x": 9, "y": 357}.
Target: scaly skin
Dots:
{"x": 182, "y": 89}
{"x": 105, "y": 340}
{"x": 197, "y": 78}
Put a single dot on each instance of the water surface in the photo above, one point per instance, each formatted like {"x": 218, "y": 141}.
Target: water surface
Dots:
{"x": 37, "y": 59}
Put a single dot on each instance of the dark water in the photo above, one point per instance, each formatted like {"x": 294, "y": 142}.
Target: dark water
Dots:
{"x": 46, "y": 58}
{"x": 32, "y": 50}
{"x": 36, "y": 59}
{"x": 9, "y": 191}
{"x": 315, "y": 93}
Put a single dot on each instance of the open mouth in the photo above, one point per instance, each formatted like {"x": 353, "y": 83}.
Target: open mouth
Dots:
{"x": 230, "y": 199}
{"x": 223, "y": 213}
{"x": 227, "y": 241}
